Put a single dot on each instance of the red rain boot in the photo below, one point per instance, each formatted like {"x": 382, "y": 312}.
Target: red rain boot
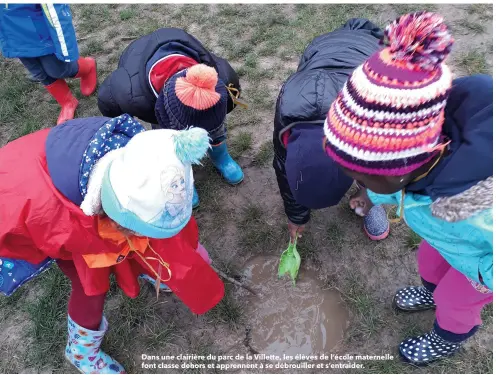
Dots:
{"x": 87, "y": 74}
{"x": 62, "y": 94}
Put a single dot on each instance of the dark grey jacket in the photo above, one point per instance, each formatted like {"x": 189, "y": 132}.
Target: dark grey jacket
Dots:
{"x": 313, "y": 180}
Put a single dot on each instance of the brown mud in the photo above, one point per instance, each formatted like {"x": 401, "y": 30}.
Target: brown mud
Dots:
{"x": 287, "y": 319}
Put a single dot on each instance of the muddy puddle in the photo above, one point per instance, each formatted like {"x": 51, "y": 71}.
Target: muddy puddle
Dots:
{"x": 287, "y": 319}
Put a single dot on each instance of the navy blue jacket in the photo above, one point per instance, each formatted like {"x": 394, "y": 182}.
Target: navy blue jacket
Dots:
{"x": 469, "y": 127}
{"x": 74, "y": 147}
{"x": 127, "y": 89}
{"x": 307, "y": 177}
{"x": 65, "y": 146}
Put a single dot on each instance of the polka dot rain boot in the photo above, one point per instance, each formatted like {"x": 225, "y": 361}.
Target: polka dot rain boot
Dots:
{"x": 83, "y": 350}
{"x": 427, "y": 348}
{"x": 414, "y": 298}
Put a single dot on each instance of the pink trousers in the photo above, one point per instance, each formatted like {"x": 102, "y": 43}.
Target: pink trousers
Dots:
{"x": 459, "y": 300}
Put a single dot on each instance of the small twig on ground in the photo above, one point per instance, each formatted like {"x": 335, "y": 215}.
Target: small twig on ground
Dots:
{"x": 235, "y": 282}
{"x": 129, "y": 37}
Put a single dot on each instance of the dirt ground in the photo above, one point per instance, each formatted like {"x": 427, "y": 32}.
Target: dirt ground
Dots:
{"x": 263, "y": 43}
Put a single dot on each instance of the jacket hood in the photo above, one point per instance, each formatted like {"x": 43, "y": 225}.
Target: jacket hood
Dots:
{"x": 315, "y": 180}
{"x": 73, "y": 148}
{"x": 469, "y": 127}
{"x": 171, "y": 48}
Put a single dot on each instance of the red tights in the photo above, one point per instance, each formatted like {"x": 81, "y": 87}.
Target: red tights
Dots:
{"x": 86, "y": 311}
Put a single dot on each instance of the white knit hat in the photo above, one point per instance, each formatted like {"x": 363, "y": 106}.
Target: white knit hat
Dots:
{"x": 148, "y": 187}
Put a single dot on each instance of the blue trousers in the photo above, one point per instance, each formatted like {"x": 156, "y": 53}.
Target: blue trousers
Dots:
{"x": 218, "y": 135}
{"x": 47, "y": 69}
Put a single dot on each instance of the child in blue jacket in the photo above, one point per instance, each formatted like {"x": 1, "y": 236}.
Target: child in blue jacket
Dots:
{"x": 43, "y": 38}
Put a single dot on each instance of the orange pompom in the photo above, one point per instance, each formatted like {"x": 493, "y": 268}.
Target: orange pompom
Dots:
{"x": 202, "y": 76}
{"x": 197, "y": 89}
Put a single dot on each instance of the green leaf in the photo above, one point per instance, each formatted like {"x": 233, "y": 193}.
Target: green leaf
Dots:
{"x": 290, "y": 262}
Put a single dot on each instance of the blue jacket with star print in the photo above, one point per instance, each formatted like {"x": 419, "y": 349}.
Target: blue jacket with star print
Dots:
{"x": 74, "y": 147}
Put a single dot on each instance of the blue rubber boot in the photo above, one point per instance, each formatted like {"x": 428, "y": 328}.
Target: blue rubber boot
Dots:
{"x": 196, "y": 198}
{"x": 229, "y": 169}
{"x": 83, "y": 350}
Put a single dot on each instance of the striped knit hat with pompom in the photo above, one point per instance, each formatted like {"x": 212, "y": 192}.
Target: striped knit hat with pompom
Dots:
{"x": 387, "y": 120}
{"x": 193, "y": 97}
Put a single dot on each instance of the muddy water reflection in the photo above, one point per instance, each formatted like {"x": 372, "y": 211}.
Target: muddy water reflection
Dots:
{"x": 301, "y": 319}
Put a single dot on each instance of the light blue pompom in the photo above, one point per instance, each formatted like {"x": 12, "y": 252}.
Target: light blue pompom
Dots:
{"x": 191, "y": 145}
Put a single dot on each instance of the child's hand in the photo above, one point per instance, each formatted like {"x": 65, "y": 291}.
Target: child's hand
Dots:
{"x": 295, "y": 230}
{"x": 361, "y": 203}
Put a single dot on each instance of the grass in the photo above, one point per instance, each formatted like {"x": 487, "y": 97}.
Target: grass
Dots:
{"x": 48, "y": 315}
{"x": 487, "y": 314}
{"x": 10, "y": 363}
{"x": 367, "y": 320}
{"x": 227, "y": 266}
{"x": 251, "y": 214}
{"x": 474, "y": 27}
{"x": 92, "y": 47}
{"x": 92, "y": 18}
{"x": 472, "y": 62}
{"x": 308, "y": 249}
{"x": 141, "y": 317}
{"x": 235, "y": 50}
{"x": 12, "y": 301}
{"x": 258, "y": 97}
{"x": 13, "y": 91}
{"x": 256, "y": 73}
{"x": 240, "y": 144}
{"x": 256, "y": 235}
{"x": 411, "y": 8}
{"x": 111, "y": 34}
{"x": 148, "y": 26}
{"x": 228, "y": 311}
{"x": 264, "y": 154}
{"x": 412, "y": 240}
{"x": 203, "y": 346}
{"x": 335, "y": 236}
{"x": 483, "y": 11}
{"x": 410, "y": 326}
{"x": 207, "y": 182}
{"x": 251, "y": 61}
{"x": 127, "y": 14}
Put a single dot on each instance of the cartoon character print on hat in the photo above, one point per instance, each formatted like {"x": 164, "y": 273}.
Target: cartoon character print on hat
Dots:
{"x": 178, "y": 194}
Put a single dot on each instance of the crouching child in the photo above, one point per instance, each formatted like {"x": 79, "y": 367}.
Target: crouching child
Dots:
{"x": 145, "y": 85}
{"x": 86, "y": 194}
{"x": 424, "y": 142}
